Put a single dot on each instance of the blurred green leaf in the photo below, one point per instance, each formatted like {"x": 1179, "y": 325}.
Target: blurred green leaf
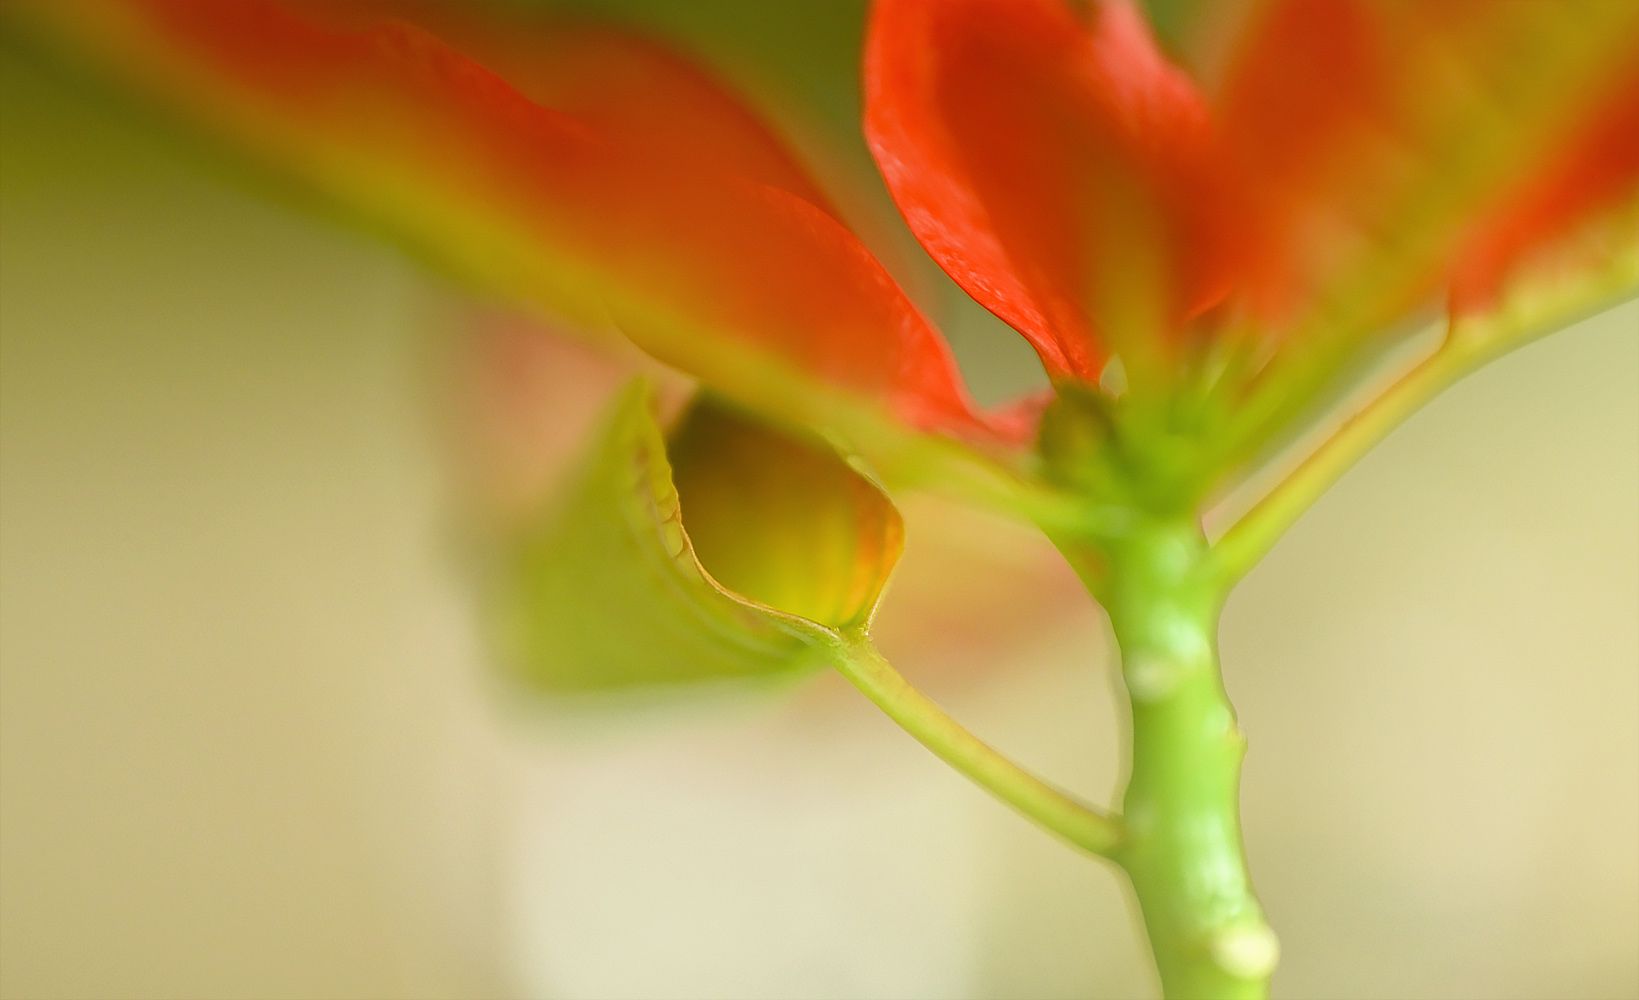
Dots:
{"x": 763, "y": 550}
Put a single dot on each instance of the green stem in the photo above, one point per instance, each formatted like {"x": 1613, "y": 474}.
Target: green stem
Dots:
{"x": 1080, "y": 824}
{"x": 1183, "y": 848}
{"x": 1251, "y": 538}
{"x": 1471, "y": 344}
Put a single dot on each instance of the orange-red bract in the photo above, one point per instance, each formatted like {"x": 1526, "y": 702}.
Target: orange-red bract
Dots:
{"x": 1355, "y": 158}
{"x": 628, "y": 89}
{"x": 1048, "y": 165}
{"x": 1592, "y": 171}
{"x": 1414, "y": 145}
{"x": 590, "y": 173}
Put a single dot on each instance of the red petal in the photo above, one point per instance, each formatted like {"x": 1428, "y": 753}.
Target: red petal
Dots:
{"x": 627, "y": 88}
{"x": 1596, "y": 168}
{"x": 1058, "y": 171}
{"x": 685, "y": 221}
{"x": 1370, "y": 135}
{"x": 1304, "y": 103}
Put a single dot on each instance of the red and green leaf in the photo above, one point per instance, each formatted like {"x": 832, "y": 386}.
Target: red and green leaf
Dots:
{"x": 589, "y": 175}
{"x": 1358, "y": 157}
{"x": 1592, "y": 171}
{"x": 1387, "y": 148}
{"x": 731, "y": 551}
{"x": 1060, "y": 171}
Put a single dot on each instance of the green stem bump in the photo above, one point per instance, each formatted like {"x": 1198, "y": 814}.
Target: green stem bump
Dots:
{"x": 1183, "y": 849}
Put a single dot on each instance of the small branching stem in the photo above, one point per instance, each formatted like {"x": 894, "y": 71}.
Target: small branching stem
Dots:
{"x": 1470, "y": 344}
{"x": 1251, "y": 538}
{"x": 1076, "y": 822}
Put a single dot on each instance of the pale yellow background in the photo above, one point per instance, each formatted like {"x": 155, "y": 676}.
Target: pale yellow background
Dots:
{"x": 248, "y": 747}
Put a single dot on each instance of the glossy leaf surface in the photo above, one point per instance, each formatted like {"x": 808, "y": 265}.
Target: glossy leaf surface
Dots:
{"x": 739, "y": 556}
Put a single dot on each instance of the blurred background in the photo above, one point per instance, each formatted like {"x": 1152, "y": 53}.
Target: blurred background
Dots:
{"x": 250, "y": 746}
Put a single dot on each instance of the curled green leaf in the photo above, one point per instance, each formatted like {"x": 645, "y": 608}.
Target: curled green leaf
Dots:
{"x": 737, "y": 551}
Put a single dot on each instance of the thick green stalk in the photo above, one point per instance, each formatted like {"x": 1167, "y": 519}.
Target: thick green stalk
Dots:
{"x": 1182, "y": 849}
